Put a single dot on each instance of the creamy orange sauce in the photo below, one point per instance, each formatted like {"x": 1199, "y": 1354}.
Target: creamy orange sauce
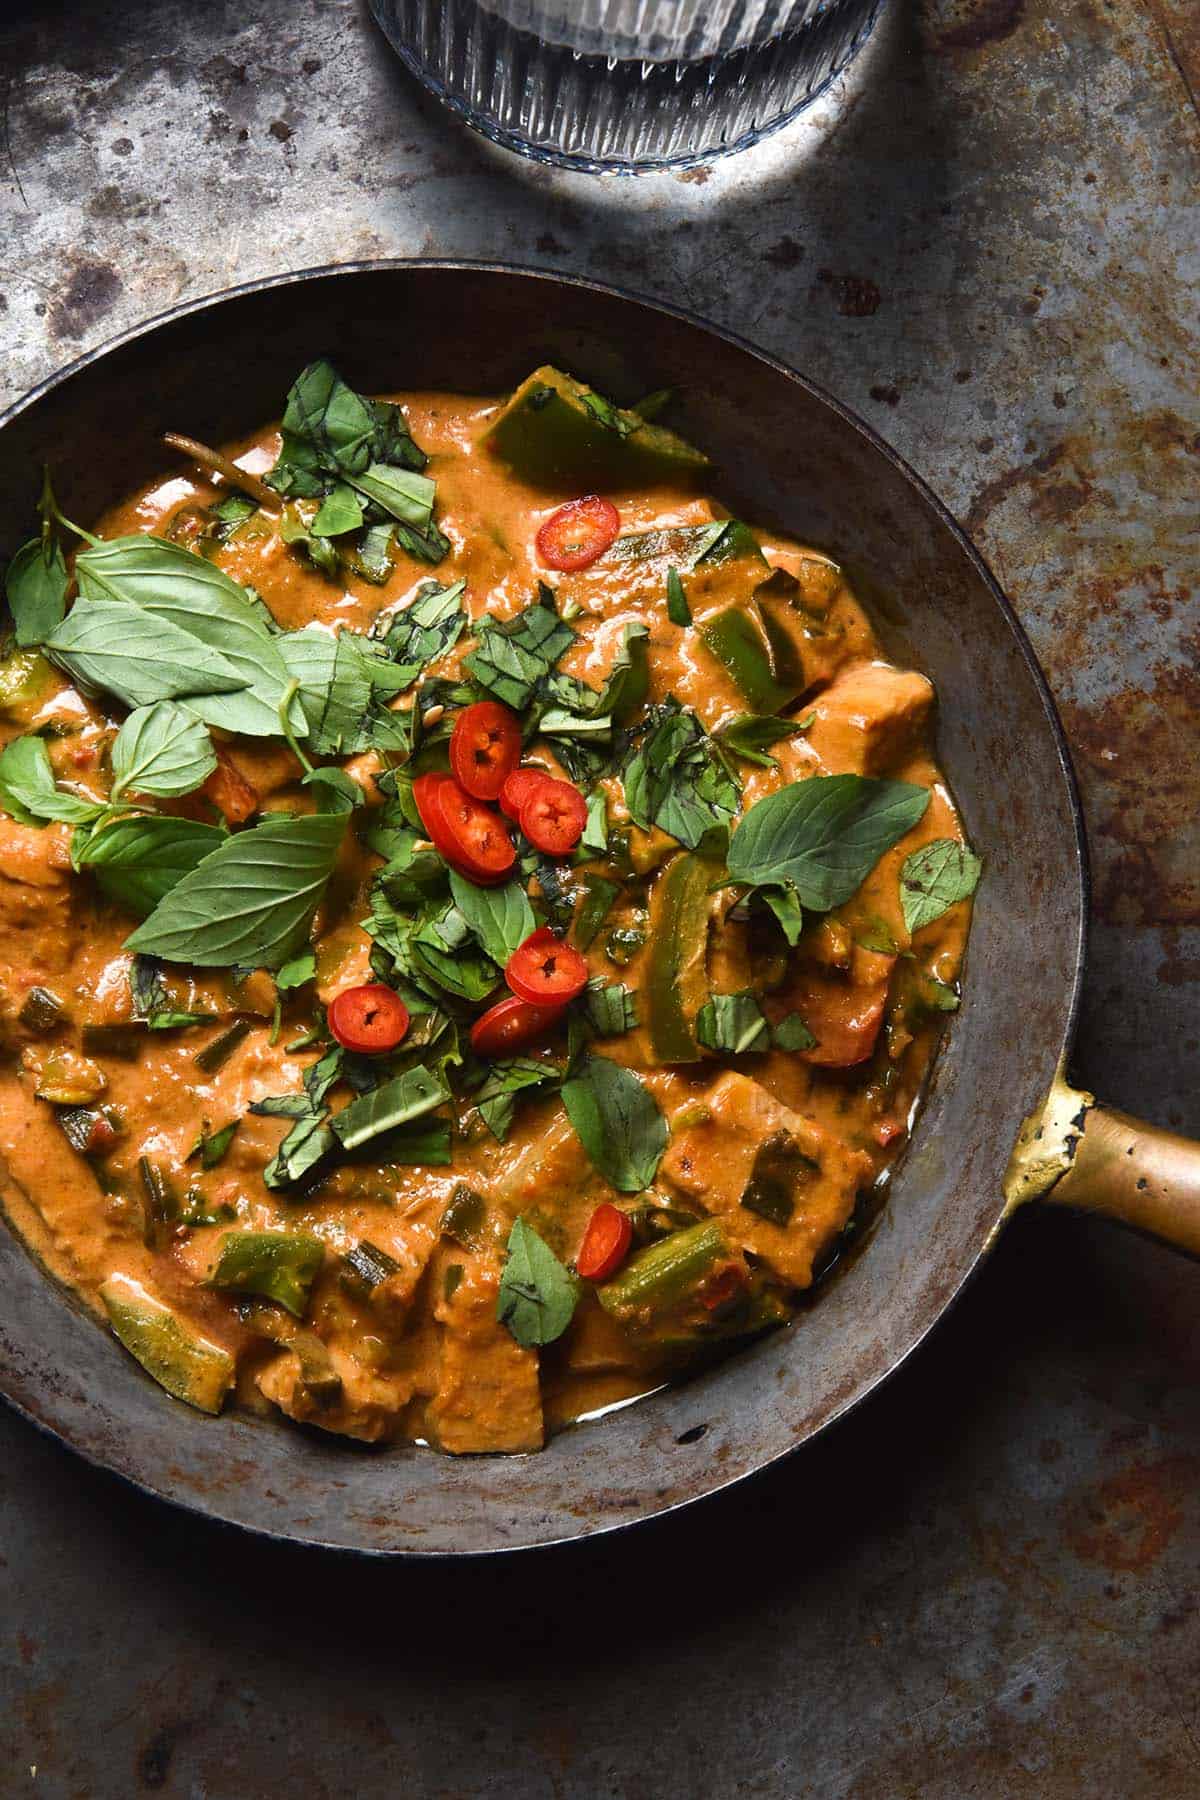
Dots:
{"x": 422, "y": 1357}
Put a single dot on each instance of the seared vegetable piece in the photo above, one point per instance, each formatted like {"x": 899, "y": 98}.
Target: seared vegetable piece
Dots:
{"x": 215, "y": 1055}
{"x": 24, "y": 675}
{"x": 596, "y": 897}
{"x": 656, "y": 1280}
{"x": 676, "y": 984}
{"x": 780, "y": 1166}
{"x": 159, "y": 1203}
{"x": 759, "y": 653}
{"x": 70, "y": 1080}
{"x": 465, "y": 1218}
{"x": 87, "y": 1129}
{"x": 112, "y": 1040}
{"x": 280, "y": 1265}
{"x": 42, "y": 1011}
{"x": 187, "y": 1365}
{"x": 367, "y": 1266}
{"x": 559, "y": 433}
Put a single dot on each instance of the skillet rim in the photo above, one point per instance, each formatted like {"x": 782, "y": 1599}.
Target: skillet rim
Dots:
{"x": 468, "y": 266}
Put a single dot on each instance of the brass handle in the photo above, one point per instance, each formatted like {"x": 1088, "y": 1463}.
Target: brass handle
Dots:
{"x": 1075, "y": 1152}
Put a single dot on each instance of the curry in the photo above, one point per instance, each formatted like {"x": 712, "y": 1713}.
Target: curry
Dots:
{"x": 475, "y": 919}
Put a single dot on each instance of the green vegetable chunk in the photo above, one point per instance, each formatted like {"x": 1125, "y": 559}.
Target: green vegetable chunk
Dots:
{"x": 676, "y": 981}
{"x": 760, "y": 656}
{"x": 780, "y": 1167}
{"x": 538, "y": 1294}
{"x": 560, "y": 434}
{"x": 187, "y": 1365}
{"x": 658, "y": 1278}
{"x": 279, "y": 1265}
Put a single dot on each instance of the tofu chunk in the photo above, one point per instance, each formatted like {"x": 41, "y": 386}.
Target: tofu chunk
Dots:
{"x": 713, "y": 1162}
{"x": 870, "y": 719}
{"x": 488, "y": 1396}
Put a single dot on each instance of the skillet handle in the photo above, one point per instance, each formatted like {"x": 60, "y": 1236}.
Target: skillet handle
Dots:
{"x": 1078, "y": 1153}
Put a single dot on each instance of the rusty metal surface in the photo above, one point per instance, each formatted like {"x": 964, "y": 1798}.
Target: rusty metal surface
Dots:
{"x": 986, "y": 1581}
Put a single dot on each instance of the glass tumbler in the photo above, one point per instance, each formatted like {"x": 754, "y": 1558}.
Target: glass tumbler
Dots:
{"x": 626, "y": 85}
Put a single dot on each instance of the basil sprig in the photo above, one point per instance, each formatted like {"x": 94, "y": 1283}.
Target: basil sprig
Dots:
{"x": 538, "y": 1294}
{"x": 822, "y": 837}
{"x": 934, "y": 878}
{"x": 251, "y": 901}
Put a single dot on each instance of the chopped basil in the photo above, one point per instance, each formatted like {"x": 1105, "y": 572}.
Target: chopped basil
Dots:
{"x": 595, "y": 833}
{"x": 596, "y": 901}
{"x": 497, "y": 1098}
{"x": 933, "y": 879}
{"x": 306, "y": 1144}
{"x": 751, "y": 735}
{"x": 676, "y": 779}
{"x": 501, "y": 918}
{"x": 251, "y": 901}
{"x": 823, "y": 836}
{"x": 297, "y": 972}
{"x": 792, "y": 1033}
{"x": 210, "y": 1147}
{"x": 329, "y": 431}
{"x": 423, "y": 631}
{"x": 342, "y": 677}
{"x": 538, "y": 1294}
{"x": 609, "y": 1009}
{"x": 395, "y": 1102}
{"x": 617, "y": 1120}
{"x": 340, "y": 511}
{"x": 515, "y": 655}
{"x": 733, "y": 1024}
{"x": 161, "y": 750}
{"x": 678, "y": 610}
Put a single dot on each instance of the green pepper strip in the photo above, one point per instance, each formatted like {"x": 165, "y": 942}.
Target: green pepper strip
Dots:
{"x": 658, "y": 1278}
{"x": 676, "y": 983}
{"x": 281, "y": 1265}
{"x": 757, "y": 653}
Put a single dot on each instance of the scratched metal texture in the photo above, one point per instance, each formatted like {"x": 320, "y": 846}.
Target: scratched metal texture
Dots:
{"x": 987, "y": 240}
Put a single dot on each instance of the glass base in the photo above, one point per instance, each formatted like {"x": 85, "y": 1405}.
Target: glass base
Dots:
{"x": 618, "y": 115}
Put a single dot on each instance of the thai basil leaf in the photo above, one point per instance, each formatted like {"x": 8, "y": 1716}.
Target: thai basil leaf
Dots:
{"x": 429, "y": 546}
{"x": 513, "y": 657}
{"x": 500, "y": 917}
{"x": 424, "y": 630}
{"x": 28, "y": 789}
{"x": 675, "y": 779}
{"x": 439, "y": 953}
{"x": 138, "y": 861}
{"x": 211, "y": 1147}
{"x": 609, "y": 1010}
{"x": 342, "y": 676}
{"x": 733, "y": 1024}
{"x": 35, "y": 586}
{"x": 684, "y": 546}
{"x": 308, "y": 1142}
{"x": 334, "y": 790}
{"x": 321, "y": 552}
{"x": 617, "y": 1120}
{"x": 934, "y": 878}
{"x": 174, "y": 587}
{"x": 823, "y": 836}
{"x": 340, "y": 511}
{"x": 395, "y": 1102}
{"x": 789, "y": 913}
{"x": 579, "y": 708}
{"x": 595, "y": 833}
{"x": 102, "y": 644}
{"x": 538, "y": 1294}
{"x": 598, "y": 897}
{"x": 424, "y": 1145}
{"x": 678, "y": 610}
{"x": 496, "y": 1100}
{"x": 251, "y": 901}
{"x": 296, "y": 973}
{"x": 792, "y": 1033}
{"x": 751, "y": 735}
{"x": 162, "y": 750}
{"x": 406, "y": 496}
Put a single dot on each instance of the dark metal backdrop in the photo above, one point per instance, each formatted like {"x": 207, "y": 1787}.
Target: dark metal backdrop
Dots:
{"x": 987, "y": 1581}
